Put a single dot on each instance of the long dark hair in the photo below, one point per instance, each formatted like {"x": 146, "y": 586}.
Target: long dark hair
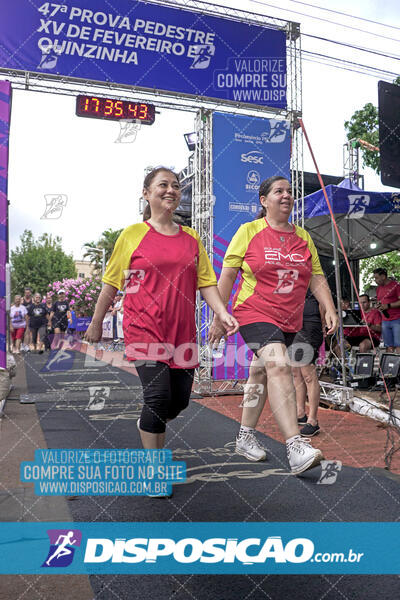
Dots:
{"x": 147, "y": 183}
{"x": 264, "y": 190}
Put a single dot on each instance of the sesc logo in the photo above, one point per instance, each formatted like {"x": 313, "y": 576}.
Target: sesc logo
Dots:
{"x": 254, "y": 157}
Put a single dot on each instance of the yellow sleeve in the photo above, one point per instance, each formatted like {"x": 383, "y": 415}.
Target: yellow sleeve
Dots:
{"x": 236, "y": 250}
{"x": 120, "y": 260}
{"x": 316, "y": 265}
{"x": 205, "y": 272}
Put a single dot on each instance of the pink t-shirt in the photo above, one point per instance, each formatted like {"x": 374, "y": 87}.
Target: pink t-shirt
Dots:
{"x": 389, "y": 293}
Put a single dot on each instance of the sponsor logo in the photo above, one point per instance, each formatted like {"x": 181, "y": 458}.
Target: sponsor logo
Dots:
{"x": 55, "y": 204}
{"x": 62, "y": 547}
{"x": 128, "y": 131}
{"x": 133, "y": 279}
{"x": 396, "y": 202}
{"x": 190, "y": 550}
{"x": 330, "y": 471}
{"x": 287, "y": 278}
{"x": 277, "y": 133}
{"x": 49, "y": 58}
{"x": 254, "y": 156}
{"x": 276, "y": 255}
{"x": 357, "y": 205}
{"x": 98, "y": 397}
{"x": 253, "y": 181}
{"x": 202, "y": 54}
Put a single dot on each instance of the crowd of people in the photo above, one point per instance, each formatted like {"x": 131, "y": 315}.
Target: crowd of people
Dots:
{"x": 36, "y": 320}
{"x": 378, "y": 319}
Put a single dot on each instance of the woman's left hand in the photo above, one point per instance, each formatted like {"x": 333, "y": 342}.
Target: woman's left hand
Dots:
{"x": 331, "y": 320}
{"x": 228, "y": 322}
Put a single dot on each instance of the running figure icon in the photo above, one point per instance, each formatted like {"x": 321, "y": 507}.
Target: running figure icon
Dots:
{"x": 62, "y": 549}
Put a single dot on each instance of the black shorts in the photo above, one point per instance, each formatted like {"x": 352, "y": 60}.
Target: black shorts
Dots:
{"x": 258, "y": 335}
{"x": 355, "y": 340}
{"x": 300, "y": 350}
{"x": 61, "y": 324}
{"x": 310, "y": 335}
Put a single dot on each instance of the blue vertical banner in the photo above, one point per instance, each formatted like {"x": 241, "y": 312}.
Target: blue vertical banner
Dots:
{"x": 5, "y": 111}
{"x": 246, "y": 150}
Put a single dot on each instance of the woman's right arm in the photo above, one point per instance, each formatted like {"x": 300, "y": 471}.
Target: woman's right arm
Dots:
{"x": 225, "y": 285}
{"x": 106, "y": 297}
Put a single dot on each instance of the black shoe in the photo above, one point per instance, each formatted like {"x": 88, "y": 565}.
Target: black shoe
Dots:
{"x": 309, "y": 430}
{"x": 302, "y": 420}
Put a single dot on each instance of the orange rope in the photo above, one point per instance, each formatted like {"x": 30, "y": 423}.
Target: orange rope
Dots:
{"x": 342, "y": 247}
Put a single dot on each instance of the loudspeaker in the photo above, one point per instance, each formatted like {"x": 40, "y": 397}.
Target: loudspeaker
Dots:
{"x": 363, "y": 371}
{"x": 364, "y": 364}
{"x": 390, "y": 365}
{"x": 389, "y": 132}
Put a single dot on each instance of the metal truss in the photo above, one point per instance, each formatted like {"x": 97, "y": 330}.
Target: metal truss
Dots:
{"x": 338, "y": 395}
{"x": 202, "y": 222}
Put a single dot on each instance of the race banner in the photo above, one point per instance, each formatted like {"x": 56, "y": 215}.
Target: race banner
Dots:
{"x": 246, "y": 150}
{"x": 146, "y": 45}
{"x": 5, "y": 111}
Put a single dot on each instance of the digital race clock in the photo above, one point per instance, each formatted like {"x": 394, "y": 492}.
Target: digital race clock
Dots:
{"x": 113, "y": 109}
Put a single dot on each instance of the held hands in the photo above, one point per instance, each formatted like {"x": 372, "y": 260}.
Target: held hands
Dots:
{"x": 331, "y": 321}
{"x": 223, "y": 325}
{"x": 94, "y": 332}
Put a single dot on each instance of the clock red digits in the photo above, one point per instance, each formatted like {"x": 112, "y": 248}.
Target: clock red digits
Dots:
{"x": 119, "y": 111}
{"x": 132, "y": 108}
{"x": 97, "y": 101}
{"x": 144, "y": 109}
{"x": 108, "y": 109}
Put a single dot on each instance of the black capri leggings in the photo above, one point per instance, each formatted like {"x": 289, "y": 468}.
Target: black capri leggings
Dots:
{"x": 38, "y": 330}
{"x": 166, "y": 392}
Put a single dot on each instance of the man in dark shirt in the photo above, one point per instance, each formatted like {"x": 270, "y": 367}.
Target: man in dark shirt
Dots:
{"x": 60, "y": 315}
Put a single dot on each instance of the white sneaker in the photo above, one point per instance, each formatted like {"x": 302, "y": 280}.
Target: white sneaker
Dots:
{"x": 301, "y": 455}
{"x": 248, "y": 445}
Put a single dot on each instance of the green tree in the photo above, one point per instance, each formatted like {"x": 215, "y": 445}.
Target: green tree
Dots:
{"x": 36, "y": 263}
{"x": 364, "y": 124}
{"x": 107, "y": 241}
{"x": 389, "y": 261}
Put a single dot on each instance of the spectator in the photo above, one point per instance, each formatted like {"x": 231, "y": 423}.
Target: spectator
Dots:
{"x": 18, "y": 323}
{"x": 388, "y": 296}
{"x": 61, "y": 315}
{"x": 359, "y": 336}
{"x": 345, "y": 304}
{"x": 49, "y": 329}
{"x": 27, "y": 302}
{"x": 37, "y": 322}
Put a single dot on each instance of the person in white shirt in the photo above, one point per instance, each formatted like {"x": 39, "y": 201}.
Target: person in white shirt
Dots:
{"x": 18, "y": 323}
